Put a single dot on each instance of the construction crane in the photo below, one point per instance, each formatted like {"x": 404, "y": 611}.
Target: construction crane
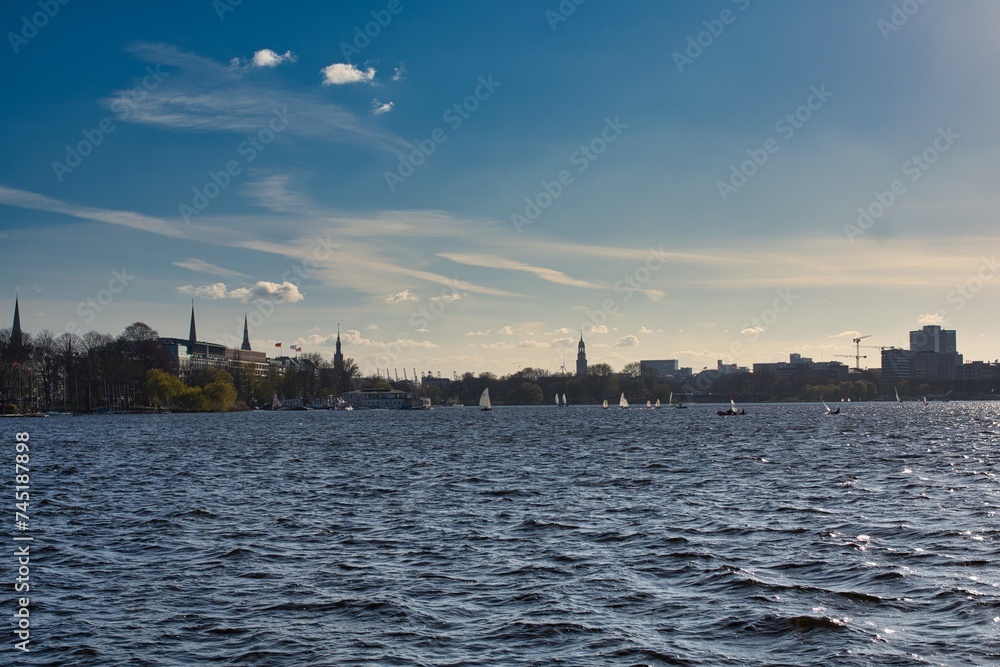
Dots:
{"x": 857, "y": 358}
{"x": 857, "y": 351}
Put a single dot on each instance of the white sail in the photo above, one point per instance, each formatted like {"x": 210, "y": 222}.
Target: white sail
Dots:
{"x": 622, "y": 403}
{"x": 605, "y": 406}
{"x": 649, "y": 405}
{"x": 824, "y": 404}
{"x": 484, "y": 400}
{"x": 564, "y": 399}
{"x": 732, "y": 404}
{"x": 670, "y": 401}
{"x": 898, "y": 400}
{"x": 557, "y": 399}
{"x": 275, "y": 403}
{"x": 657, "y": 404}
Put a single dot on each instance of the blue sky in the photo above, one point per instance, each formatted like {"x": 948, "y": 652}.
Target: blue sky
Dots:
{"x": 470, "y": 185}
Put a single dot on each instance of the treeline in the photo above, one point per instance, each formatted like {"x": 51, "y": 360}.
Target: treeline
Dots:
{"x": 536, "y": 386}
{"x": 131, "y": 371}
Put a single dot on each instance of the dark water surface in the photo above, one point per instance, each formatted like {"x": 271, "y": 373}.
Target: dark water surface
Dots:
{"x": 525, "y": 536}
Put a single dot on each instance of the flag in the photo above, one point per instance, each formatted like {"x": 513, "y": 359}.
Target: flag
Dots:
{"x": 277, "y": 344}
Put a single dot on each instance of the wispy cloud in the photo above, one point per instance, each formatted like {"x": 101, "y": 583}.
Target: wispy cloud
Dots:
{"x": 202, "y": 95}
{"x": 497, "y": 262}
{"x": 379, "y": 108}
{"x": 401, "y": 297}
{"x": 201, "y": 266}
{"x": 146, "y": 223}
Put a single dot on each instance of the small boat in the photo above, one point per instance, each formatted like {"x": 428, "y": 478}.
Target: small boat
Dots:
{"x": 649, "y": 405}
{"x": 484, "y": 400}
{"x": 828, "y": 410}
{"x": 557, "y": 400}
{"x": 275, "y": 403}
{"x": 657, "y": 404}
{"x": 622, "y": 403}
{"x": 898, "y": 399}
{"x": 605, "y": 404}
{"x": 732, "y": 411}
{"x": 564, "y": 400}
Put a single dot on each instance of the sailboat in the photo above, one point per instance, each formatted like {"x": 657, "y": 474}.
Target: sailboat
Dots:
{"x": 275, "y": 403}
{"x": 605, "y": 404}
{"x": 564, "y": 400}
{"x": 484, "y": 400}
{"x": 557, "y": 400}
{"x": 649, "y": 405}
{"x": 828, "y": 410}
{"x": 925, "y": 401}
{"x": 657, "y": 404}
{"x": 731, "y": 411}
{"x": 622, "y": 403}
{"x": 898, "y": 399}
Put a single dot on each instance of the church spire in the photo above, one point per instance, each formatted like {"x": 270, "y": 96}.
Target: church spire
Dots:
{"x": 338, "y": 356}
{"x": 581, "y": 358}
{"x": 15, "y": 333}
{"x": 193, "y": 335}
{"x": 246, "y": 335}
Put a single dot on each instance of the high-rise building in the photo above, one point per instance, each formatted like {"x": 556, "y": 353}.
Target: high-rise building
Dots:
{"x": 581, "y": 358}
{"x": 933, "y": 338}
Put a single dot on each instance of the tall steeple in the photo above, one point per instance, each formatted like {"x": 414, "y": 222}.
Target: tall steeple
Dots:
{"x": 193, "y": 335}
{"x": 338, "y": 356}
{"x": 581, "y": 358}
{"x": 15, "y": 332}
{"x": 246, "y": 335}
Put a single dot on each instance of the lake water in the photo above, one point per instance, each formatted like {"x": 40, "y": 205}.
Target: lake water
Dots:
{"x": 525, "y": 536}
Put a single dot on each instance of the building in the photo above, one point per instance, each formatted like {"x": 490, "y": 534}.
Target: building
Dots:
{"x": 933, "y": 338}
{"x": 666, "y": 369}
{"x": 190, "y": 355}
{"x": 798, "y": 365}
{"x": 581, "y": 358}
{"x": 378, "y": 399}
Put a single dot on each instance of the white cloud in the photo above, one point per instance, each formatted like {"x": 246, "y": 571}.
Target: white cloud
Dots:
{"x": 627, "y": 341}
{"x": 534, "y": 344}
{"x": 268, "y": 58}
{"x": 478, "y": 333}
{"x": 213, "y": 291}
{"x": 371, "y": 327}
{"x": 506, "y": 331}
{"x": 264, "y": 58}
{"x": 379, "y": 108}
{"x": 645, "y": 330}
{"x": 847, "y": 334}
{"x": 752, "y": 330}
{"x": 448, "y": 297}
{"x": 401, "y": 297}
{"x": 339, "y": 74}
{"x": 602, "y": 329}
{"x": 399, "y": 73}
{"x": 930, "y": 318}
{"x": 261, "y": 290}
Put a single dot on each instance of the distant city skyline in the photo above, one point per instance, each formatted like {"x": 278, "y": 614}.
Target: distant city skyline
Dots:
{"x": 467, "y": 187}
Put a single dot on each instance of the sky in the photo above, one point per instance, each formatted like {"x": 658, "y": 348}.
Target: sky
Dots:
{"x": 472, "y": 186}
